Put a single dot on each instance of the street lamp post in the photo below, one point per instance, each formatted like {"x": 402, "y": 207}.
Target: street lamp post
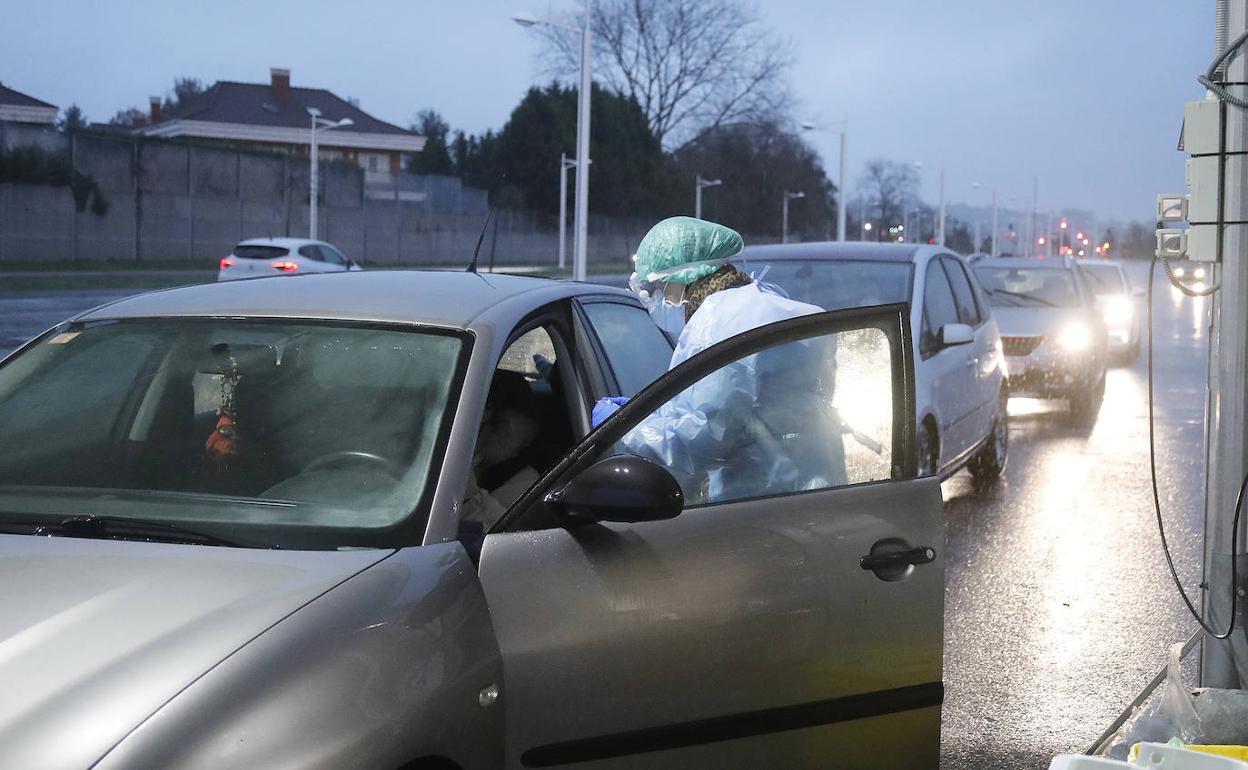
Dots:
{"x": 992, "y": 245}
{"x": 564, "y": 165}
{"x": 580, "y": 245}
{"x": 699, "y": 183}
{"x": 318, "y": 123}
{"x": 940, "y": 220}
{"x": 841, "y": 192}
{"x": 784, "y": 225}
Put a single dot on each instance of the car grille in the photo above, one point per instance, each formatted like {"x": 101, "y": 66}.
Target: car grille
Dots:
{"x": 1019, "y": 346}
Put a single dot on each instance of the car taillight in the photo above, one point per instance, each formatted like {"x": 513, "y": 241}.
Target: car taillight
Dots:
{"x": 227, "y": 262}
{"x": 285, "y": 266}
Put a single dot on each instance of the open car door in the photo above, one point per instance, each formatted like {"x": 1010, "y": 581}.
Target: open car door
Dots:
{"x": 737, "y": 570}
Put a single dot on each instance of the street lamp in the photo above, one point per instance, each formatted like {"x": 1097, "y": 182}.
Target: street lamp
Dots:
{"x": 940, "y": 221}
{"x": 699, "y": 183}
{"x": 784, "y": 226}
{"x": 314, "y": 156}
{"x": 992, "y": 242}
{"x": 841, "y": 192}
{"x": 564, "y": 164}
{"x": 582, "y": 132}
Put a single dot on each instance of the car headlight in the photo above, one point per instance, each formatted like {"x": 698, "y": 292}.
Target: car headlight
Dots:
{"x": 1198, "y": 273}
{"x": 1118, "y": 311}
{"x": 1074, "y": 337}
{"x": 1179, "y": 272}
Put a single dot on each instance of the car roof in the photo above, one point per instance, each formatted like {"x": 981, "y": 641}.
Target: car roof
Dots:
{"x": 283, "y": 242}
{"x": 847, "y": 250}
{"x": 445, "y": 298}
{"x": 1023, "y": 262}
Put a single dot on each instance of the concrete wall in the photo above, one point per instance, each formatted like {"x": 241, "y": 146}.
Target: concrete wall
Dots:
{"x": 173, "y": 201}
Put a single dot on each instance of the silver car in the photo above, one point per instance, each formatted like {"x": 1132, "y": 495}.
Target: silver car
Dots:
{"x": 1053, "y": 334}
{"x": 250, "y": 529}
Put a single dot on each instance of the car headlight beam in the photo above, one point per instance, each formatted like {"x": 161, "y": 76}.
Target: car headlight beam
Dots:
{"x": 1118, "y": 311}
{"x": 1074, "y": 337}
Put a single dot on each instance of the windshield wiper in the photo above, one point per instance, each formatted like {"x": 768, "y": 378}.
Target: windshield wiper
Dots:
{"x": 125, "y": 528}
{"x": 1023, "y": 295}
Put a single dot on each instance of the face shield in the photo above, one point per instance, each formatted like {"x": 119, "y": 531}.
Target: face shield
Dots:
{"x": 664, "y": 298}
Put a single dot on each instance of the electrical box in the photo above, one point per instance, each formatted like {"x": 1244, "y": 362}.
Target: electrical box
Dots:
{"x": 1200, "y": 127}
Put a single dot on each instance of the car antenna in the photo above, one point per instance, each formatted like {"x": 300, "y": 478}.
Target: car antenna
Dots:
{"x": 476, "y": 253}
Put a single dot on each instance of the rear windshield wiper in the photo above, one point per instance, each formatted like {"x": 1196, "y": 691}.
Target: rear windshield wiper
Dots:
{"x": 125, "y": 528}
{"x": 1023, "y": 295}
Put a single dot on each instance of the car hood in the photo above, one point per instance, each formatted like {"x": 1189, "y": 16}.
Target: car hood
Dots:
{"x": 1035, "y": 321}
{"x": 95, "y": 635}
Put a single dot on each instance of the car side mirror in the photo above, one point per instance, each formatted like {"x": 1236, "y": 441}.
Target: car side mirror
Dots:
{"x": 623, "y": 488}
{"x": 956, "y": 334}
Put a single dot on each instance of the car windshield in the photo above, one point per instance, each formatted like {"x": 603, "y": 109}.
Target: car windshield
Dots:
{"x": 1027, "y": 287}
{"x": 1105, "y": 279}
{"x": 291, "y": 434}
{"x": 842, "y": 283}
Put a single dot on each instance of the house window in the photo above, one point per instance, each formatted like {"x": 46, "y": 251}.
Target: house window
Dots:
{"x": 372, "y": 162}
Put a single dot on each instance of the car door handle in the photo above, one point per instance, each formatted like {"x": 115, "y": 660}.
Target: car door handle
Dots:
{"x": 923, "y": 554}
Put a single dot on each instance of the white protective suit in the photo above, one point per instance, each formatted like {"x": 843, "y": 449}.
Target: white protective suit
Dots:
{"x": 709, "y": 436}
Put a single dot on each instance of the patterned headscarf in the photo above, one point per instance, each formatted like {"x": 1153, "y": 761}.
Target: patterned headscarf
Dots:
{"x": 726, "y": 277}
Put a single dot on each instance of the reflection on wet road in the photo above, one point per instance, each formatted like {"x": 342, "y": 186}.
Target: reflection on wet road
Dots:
{"x": 1059, "y": 607}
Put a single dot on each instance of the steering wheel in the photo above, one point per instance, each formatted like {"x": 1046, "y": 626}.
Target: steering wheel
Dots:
{"x": 348, "y": 456}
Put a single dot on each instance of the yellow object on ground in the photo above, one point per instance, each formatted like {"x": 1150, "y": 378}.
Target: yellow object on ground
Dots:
{"x": 1234, "y": 752}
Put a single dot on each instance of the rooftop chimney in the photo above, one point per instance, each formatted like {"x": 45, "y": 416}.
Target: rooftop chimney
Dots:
{"x": 279, "y": 82}
{"x": 153, "y": 115}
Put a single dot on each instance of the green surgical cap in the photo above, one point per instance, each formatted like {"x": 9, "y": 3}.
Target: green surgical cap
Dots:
{"x": 683, "y": 241}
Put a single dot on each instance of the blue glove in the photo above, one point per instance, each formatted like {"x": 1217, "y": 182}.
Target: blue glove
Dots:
{"x": 605, "y": 408}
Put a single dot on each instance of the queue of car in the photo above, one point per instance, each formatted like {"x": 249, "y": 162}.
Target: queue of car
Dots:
{"x": 378, "y": 505}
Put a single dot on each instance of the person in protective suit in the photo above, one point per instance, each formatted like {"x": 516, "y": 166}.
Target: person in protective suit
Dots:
{"x": 725, "y": 437}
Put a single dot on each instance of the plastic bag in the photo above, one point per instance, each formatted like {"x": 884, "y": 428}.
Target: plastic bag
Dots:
{"x": 1203, "y": 716}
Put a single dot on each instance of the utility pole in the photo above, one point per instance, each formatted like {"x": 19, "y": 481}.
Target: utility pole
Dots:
{"x": 940, "y": 230}
{"x": 564, "y": 165}
{"x": 992, "y": 244}
{"x": 580, "y": 259}
{"x": 1225, "y": 663}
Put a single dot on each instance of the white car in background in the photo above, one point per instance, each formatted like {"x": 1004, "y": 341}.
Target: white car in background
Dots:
{"x": 961, "y": 398}
{"x": 258, "y": 257}
{"x": 1119, "y": 305}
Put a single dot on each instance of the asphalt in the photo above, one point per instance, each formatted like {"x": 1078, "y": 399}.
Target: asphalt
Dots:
{"x": 1058, "y": 604}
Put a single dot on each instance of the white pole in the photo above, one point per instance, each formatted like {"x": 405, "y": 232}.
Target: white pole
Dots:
{"x": 784, "y": 220}
{"x": 840, "y": 206}
{"x": 312, "y": 158}
{"x": 582, "y": 152}
{"x": 697, "y": 198}
{"x": 862, "y": 218}
{"x": 563, "y": 209}
{"x": 940, "y": 230}
{"x": 975, "y": 245}
{"x": 992, "y": 241}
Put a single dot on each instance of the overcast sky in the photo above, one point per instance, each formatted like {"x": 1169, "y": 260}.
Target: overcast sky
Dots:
{"x": 1086, "y": 95}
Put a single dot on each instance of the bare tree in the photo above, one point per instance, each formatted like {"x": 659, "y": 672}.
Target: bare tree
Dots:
{"x": 889, "y": 188}
{"x": 692, "y": 65}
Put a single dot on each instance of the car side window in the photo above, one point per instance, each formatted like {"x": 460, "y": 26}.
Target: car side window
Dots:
{"x": 938, "y": 307}
{"x": 332, "y": 255}
{"x": 636, "y": 349}
{"x": 797, "y": 417}
{"x": 310, "y": 251}
{"x": 963, "y": 295}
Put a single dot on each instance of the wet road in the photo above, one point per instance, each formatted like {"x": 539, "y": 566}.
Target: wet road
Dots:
{"x": 1058, "y": 604}
{"x": 25, "y": 314}
{"x": 1059, "y": 607}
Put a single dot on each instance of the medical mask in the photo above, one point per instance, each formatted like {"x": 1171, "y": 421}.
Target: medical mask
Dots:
{"x": 665, "y": 302}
